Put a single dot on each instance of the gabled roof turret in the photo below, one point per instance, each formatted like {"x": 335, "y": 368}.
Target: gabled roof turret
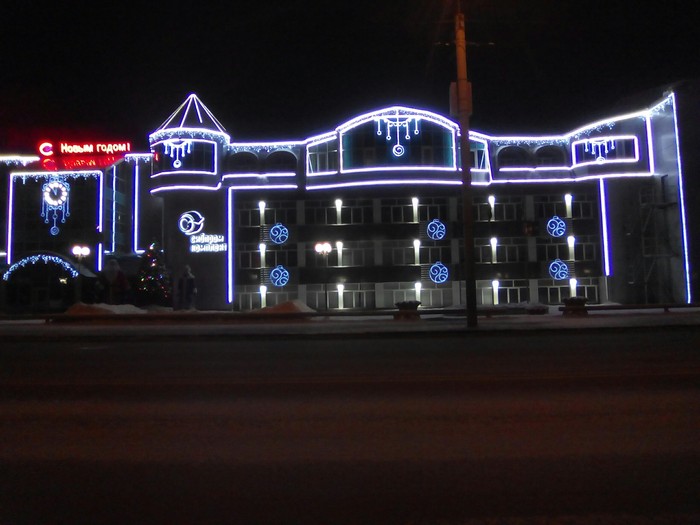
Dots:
{"x": 192, "y": 116}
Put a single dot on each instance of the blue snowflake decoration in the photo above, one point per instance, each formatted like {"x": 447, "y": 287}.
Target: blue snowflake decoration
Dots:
{"x": 279, "y": 233}
{"x": 436, "y": 230}
{"x": 439, "y": 273}
{"x": 279, "y": 276}
{"x": 556, "y": 226}
{"x": 558, "y": 270}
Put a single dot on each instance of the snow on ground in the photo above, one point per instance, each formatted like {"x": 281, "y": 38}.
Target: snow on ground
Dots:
{"x": 103, "y": 309}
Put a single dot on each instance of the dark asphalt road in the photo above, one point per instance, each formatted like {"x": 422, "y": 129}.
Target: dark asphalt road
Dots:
{"x": 423, "y": 428}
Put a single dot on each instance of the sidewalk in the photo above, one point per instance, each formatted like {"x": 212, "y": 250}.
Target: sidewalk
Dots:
{"x": 194, "y": 325}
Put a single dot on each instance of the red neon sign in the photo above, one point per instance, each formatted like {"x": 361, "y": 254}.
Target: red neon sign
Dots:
{"x": 47, "y": 148}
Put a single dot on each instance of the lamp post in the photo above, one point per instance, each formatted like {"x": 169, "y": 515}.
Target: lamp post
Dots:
{"x": 79, "y": 252}
{"x": 464, "y": 110}
{"x": 324, "y": 249}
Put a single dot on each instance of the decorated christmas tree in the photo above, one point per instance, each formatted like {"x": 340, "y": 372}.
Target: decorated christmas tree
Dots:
{"x": 153, "y": 282}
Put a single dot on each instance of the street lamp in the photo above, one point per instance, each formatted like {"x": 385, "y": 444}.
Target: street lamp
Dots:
{"x": 324, "y": 249}
{"x": 79, "y": 252}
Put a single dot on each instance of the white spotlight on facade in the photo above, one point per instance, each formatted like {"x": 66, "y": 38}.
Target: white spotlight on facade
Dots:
{"x": 494, "y": 249}
{"x": 571, "y": 241}
{"x": 341, "y": 289}
{"x": 338, "y": 208}
{"x": 494, "y": 286}
{"x": 567, "y": 199}
{"x": 492, "y": 204}
{"x": 263, "y": 296}
{"x": 414, "y": 202}
{"x": 418, "y": 287}
{"x": 261, "y": 207}
{"x": 339, "y": 248}
{"x": 573, "y": 283}
{"x": 262, "y": 249}
{"x": 416, "y": 251}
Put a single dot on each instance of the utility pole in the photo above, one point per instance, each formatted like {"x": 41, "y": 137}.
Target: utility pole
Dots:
{"x": 464, "y": 109}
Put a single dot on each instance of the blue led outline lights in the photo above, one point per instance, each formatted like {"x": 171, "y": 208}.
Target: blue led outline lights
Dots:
{"x": 439, "y": 273}
{"x": 558, "y": 270}
{"x": 178, "y": 187}
{"x": 18, "y": 159}
{"x": 114, "y": 208}
{"x": 384, "y": 182}
{"x": 190, "y": 222}
{"x": 185, "y": 108}
{"x": 279, "y": 276}
{"x": 36, "y": 175}
{"x": 602, "y": 146}
{"x": 604, "y": 227}
{"x": 229, "y": 259}
{"x": 178, "y": 171}
{"x": 55, "y": 201}
{"x": 46, "y": 259}
{"x": 556, "y": 226}
{"x": 279, "y": 233}
{"x": 681, "y": 193}
{"x": 436, "y": 230}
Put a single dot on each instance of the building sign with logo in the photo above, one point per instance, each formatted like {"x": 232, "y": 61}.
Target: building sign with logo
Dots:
{"x": 191, "y": 223}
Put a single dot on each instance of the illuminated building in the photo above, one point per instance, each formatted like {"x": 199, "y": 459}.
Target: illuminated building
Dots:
{"x": 600, "y": 211}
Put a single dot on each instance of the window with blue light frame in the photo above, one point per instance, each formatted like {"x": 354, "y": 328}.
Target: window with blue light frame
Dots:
{"x": 184, "y": 155}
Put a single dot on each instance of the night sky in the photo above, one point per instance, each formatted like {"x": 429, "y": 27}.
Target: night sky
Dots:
{"x": 287, "y": 70}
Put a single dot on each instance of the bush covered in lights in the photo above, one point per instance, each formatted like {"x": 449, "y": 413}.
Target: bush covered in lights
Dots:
{"x": 153, "y": 281}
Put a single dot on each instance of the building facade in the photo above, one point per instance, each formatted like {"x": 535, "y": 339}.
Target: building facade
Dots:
{"x": 370, "y": 213}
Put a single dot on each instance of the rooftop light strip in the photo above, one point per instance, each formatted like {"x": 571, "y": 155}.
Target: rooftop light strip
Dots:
{"x": 259, "y": 175}
{"x": 397, "y": 111}
{"x": 398, "y": 168}
{"x": 18, "y": 159}
{"x": 538, "y": 168}
{"x": 383, "y": 183}
{"x": 180, "y": 187}
{"x": 266, "y": 187}
{"x": 321, "y": 139}
{"x": 573, "y": 179}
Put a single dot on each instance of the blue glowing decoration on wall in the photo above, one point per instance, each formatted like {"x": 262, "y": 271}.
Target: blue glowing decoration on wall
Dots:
{"x": 558, "y": 270}
{"x": 279, "y": 276}
{"x": 436, "y": 230}
{"x": 191, "y": 222}
{"x": 55, "y": 203}
{"x": 403, "y": 127}
{"x": 439, "y": 273}
{"x": 279, "y": 233}
{"x": 556, "y": 226}
{"x": 177, "y": 150}
{"x": 46, "y": 259}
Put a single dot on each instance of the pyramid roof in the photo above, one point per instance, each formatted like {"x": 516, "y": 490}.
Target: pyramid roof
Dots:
{"x": 192, "y": 114}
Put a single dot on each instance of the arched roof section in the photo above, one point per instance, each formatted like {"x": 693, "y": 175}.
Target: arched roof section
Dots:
{"x": 398, "y": 111}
